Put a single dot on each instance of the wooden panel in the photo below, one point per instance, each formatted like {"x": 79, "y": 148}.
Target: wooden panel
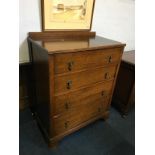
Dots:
{"x": 77, "y": 80}
{"x": 84, "y": 60}
{"x": 41, "y": 75}
{"x": 58, "y": 35}
{"x": 67, "y": 102}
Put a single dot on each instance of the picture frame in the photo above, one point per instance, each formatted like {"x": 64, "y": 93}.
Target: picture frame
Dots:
{"x": 67, "y": 15}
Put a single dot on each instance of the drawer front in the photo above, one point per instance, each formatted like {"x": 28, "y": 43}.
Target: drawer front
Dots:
{"x": 69, "y": 101}
{"x": 71, "y": 62}
{"x": 75, "y": 81}
{"x": 78, "y": 115}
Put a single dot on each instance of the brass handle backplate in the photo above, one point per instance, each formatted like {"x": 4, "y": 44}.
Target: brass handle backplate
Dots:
{"x": 70, "y": 65}
{"x": 69, "y": 84}
{"x": 103, "y": 93}
{"x": 110, "y": 59}
{"x": 67, "y": 105}
{"x": 107, "y": 76}
{"x": 66, "y": 125}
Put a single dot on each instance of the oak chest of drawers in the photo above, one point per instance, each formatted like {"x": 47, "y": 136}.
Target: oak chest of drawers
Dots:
{"x": 75, "y": 76}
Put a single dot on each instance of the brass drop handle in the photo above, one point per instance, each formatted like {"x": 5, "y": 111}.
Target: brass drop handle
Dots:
{"x": 107, "y": 75}
{"x": 66, "y": 125}
{"x": 103, "y": 93}
{"x": 69, "y": 84}
{"x": 110, "y": 59}
{"x": 70, "y": 65}
{"x": 67, "y": 105}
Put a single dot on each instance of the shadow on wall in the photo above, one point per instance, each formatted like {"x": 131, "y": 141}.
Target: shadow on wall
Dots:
{"x": 23, "y": 52}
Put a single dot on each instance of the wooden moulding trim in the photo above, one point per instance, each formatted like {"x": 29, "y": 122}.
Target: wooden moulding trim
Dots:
{"x": 60, "y": 35}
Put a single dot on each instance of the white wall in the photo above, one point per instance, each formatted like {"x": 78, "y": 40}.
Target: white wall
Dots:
{"x": 30, "y": 20}
{"x": 113, "y": 19}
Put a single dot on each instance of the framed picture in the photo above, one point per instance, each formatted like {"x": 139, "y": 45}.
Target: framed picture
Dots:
{"x": 67, "y": 14}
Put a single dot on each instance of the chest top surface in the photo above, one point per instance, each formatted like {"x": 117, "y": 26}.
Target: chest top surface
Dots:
{"x": 77, "y": 44}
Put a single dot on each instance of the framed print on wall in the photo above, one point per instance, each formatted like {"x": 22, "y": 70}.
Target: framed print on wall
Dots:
{"x": 67, "y": 14}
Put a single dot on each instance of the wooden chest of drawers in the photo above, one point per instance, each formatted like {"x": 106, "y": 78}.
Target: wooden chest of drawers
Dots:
{"x": 75, "y": 78}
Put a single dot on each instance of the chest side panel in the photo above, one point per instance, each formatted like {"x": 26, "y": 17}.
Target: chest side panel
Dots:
{"x": 41, "y": 77}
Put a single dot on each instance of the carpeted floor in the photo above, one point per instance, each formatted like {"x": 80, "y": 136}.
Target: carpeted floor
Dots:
{"x": 116, "y": 136}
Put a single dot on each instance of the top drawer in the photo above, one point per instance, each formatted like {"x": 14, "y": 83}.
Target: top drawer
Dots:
{"x": 70, "y": 62}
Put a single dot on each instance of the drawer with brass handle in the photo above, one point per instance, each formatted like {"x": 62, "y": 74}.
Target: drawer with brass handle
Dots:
{"x": 85, "y": 60}
{"x": 66, "y": 121}
{"x": 75, "y": 81}
{"x": 67, "y": 108}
